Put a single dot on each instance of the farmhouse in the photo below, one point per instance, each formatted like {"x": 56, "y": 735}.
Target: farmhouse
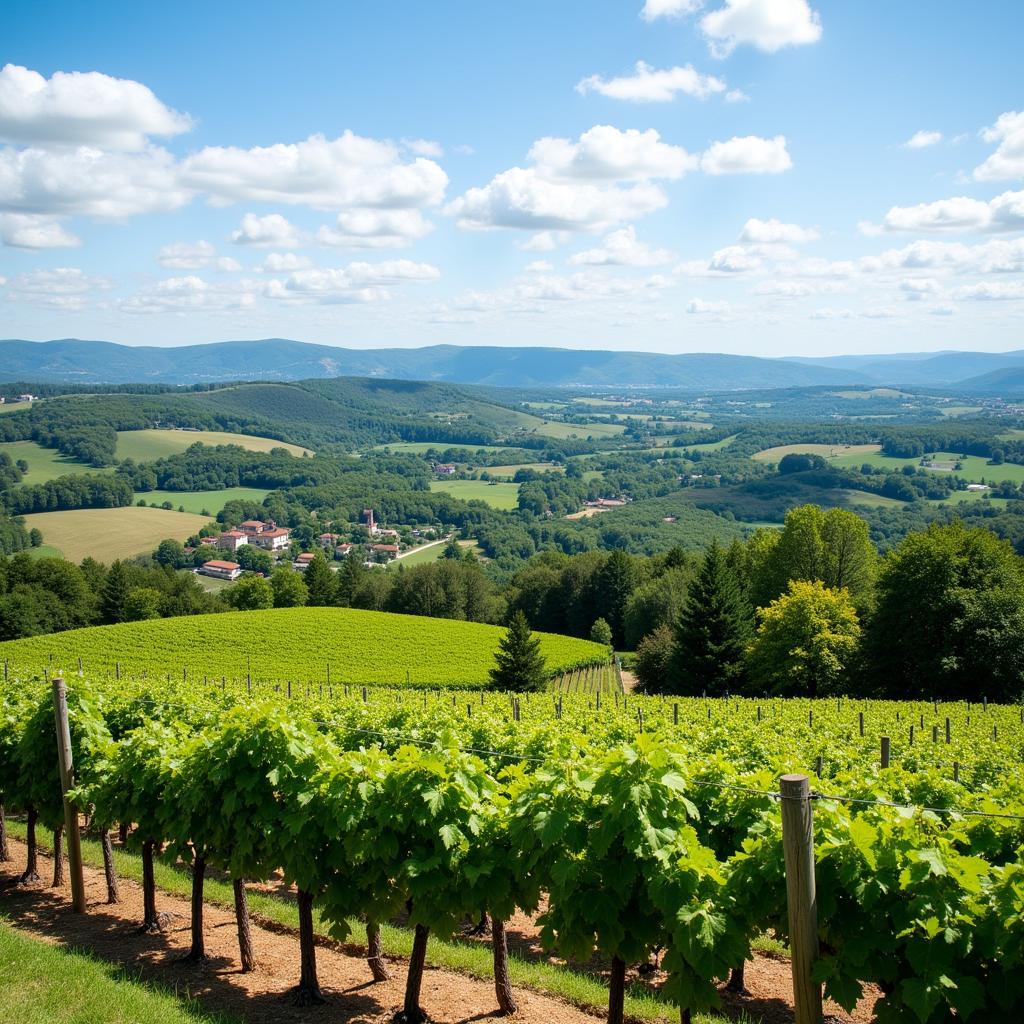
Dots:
{"x": 977, "y": 487}
{"x": 444, "y": 469}
{"x": 344, "y": 550}
{"x": 328, "y": 540}
{"x": 388, "y": 550}
{"x": 265, "y": 535}
{"x": 221, "y": 570}
{"x": 302, "y": 562}
{"x": 232, "y": 540}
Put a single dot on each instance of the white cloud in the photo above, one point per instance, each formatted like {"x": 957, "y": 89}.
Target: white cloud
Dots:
{"x": 191, "y": 293}
{"x": 944, "y": 310}
{"x": 917, "y": 288}
{"x": 992, "y": 291}
{"x": 424, "y": 147}
{"x": 773, "y": 230}
{"x": 786, "y": 289}
{"x": 995, "y": 256}
{"x": 521, "y": 198}
{"x": 1008, "y": 159}
{"x": 354, "y": 283}
{"x": 328, "y": 174}
{"x": 64, "y": 288}
{"x": 376, "y": 229}
{"x": 33, "y": 231}
{"x": 621, "y": 248}
{"x": 545, "y": 241}
{"x": 700, "y": 306}
{"x": 186, "y": 255}
{"x": 961, "y": 213}
{"x": 748, "y": 154}
{"x": 654, "y": 9}
{"x": 76, "y": 108}
{"x": 736, "y": 96}
{"x": 604, "y": 153}
{"x": 768, "y": 25}
{"x": 538, "y": 267}
{"x": 228, "y": 264}
{"x": 272, "y": 230}
{"x": 283, "y": 262}
{"x": 922, "y": 139}
{"x": 651, "y": 85}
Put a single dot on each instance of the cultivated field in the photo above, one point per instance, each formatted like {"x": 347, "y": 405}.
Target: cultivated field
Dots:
{"x": 197, "y": 501}
{"x": 511, "y": 470}
{"x": 110, "y": 533}
{"x": 497, "y": 495}
{"x": 45, "y": 464}
{"x": 361, "y": 647}
{"x": 827, "y": 451}
{"x": 147, "y": 445}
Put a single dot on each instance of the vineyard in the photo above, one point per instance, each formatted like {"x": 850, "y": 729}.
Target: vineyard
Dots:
{"x": 293, "y": 644}
{"x": 640, "y": 827}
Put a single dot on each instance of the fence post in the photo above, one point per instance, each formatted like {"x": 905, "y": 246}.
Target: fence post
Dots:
{"x": 67, "y": 781}
{"x": 885, "y": 751}
{"x": 801, "y": 898}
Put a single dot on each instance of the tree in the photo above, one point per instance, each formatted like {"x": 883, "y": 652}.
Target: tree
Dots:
{"x": 250, "y": 593}
{"x": 142, "y": 603}
{"x": 171, "y": 552}
{"x": 520, "y": 665}
{"x": 254, "y": 559}
{"x": 289, "y": 588}
{"x": 115, "y": 593}
{"x": 806, "y": 642}
{"x": 655, "y": 659}
{"x": 601, "y": 633}
{"x": 657, "y": 602}
{"x": 35, "y": 537}
{"x": 712, "y": 632}
{"x": 319, "y": 580}
{"x": 615, "y": 582}
{"x": 800, "y": 462}
{"x": 452, "y": 549}
{"x": 949, "y": 617}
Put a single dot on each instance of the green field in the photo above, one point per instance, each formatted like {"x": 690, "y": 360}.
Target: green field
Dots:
{"x": 110, "y": 533}
{"x": 45, "y": 464}
{"x": 427, "y": 554}
{"x": 713, "y": 446}
{"x": 147, "y": 445}
{"x": 555, "y": 428}
{"x": 14, "y": 406}
{"x": 974, "y": 468}
{"x": 296, "y": 643}
{"x": 422, "y": 447}
{"x": 499, "y": 495}
{"x": 196, "y": 501}
{"x": 511, "y": 470}
{"x": 45, "y": 984}
{"x": 841, "y": 454}
{"x": 873, "y": 393}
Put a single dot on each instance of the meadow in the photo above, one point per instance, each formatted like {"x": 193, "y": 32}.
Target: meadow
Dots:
{"x": 511, "y": 470}
{"x": 298, "y": 644}
{"x": 838, "y": 453}
{"x": 45, "y": 464}
{"x": 147, "y": 445}
{"x": 503, "y": 496}
{"x": 110, "y": 533}
{"x": 204, "y": 502}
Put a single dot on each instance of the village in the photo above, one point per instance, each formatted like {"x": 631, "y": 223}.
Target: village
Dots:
{"x": 381, "y": 546}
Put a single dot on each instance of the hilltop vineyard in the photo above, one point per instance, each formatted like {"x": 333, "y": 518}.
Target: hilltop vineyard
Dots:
{"x": 647, "y": 823}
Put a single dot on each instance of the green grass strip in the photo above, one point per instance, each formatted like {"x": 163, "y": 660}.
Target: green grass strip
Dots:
{"x": 44, "y": 984}
{"x": 471, "y": 958}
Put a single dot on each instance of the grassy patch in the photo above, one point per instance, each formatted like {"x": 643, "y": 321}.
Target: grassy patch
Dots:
{"x": 147, "y": 445}
{"x": 109, "y": 533}
{"x": 45, "y": 464}
{"x": 198, "y": 501}
{"x": 836, "y": 452}
{"x": 44, "y": 984}
{"x": 511, "y": 470}
{"x": 502, "y": 496}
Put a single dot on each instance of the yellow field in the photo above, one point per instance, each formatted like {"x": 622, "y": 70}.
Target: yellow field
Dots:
{"x": 110, "y": 533}
{"x": 146, "y": 445}
{"x": 828, "y": 451}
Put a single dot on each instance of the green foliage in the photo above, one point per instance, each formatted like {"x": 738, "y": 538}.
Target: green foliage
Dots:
{"x": 601, "y": 633}
{"x": 656, "y": 660}
{"x": 521, "y": 666}
{"x": 249, "y": 594}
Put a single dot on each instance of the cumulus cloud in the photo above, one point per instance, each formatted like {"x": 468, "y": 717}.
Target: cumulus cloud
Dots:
{"x": 328, "y": 174}
{"x": 654, "y": 9}
{"x": 375, "y": 229}
{"x": 81, "y": 108}
{"x": 186, "y": 255}
{"x": 67, "y": 288}
{"x": 996, "y": 256}
{"x": 32, "y": 231}
{"x": 748, "y": 154}
{"x": 283, "y": 262}
{"x": 700, "y": 306}
{"x": 622, "y": 248}
{"x": 917, "y": 288}
{"x": 960, "y": 213}
{"x": 545, "y": 241}
{"x": 773, "y": 231}
{"x": 991, "y": 291}
{"x": 604, "y": 153}
{"x": 1008, "y": 159}
{"x": 768, "y": 25}
{"x": 189, "y": 294}
{"x": 271, "y": 231}
{"x": 653, "y": 85}
{"x": 922, "y": 139}
{"x": 424, "y": 147}
{"x": 354, "y": 283}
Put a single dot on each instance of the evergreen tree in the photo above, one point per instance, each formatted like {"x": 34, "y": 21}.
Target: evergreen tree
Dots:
{"x": 114, "y": 596}
{"x": 320, "y": 581}
{"x": 520, "y": 665}
{"x": 601, "y": 633}
{"x": 350, "y": 576}
{"x": 616, "y": 581}
{"x": 712, "y": 631}
{"x": 452, "y": 549}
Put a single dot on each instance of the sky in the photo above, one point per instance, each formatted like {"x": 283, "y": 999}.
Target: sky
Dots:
{"x": 768, "y": 177}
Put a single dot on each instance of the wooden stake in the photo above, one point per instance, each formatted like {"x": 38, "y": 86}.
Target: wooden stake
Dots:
{"x": 885, "y": 752}
{"x": 67, "y": 782}
{"x": 801, "y": 897}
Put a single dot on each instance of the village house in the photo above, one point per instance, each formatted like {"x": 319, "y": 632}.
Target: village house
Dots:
{"x": 329, "y": 540}
{"x": 26, "y": 398}
{"x": 344, "y": 550}
{"x": 265, "y": 535}
{"x": 232, "y": 540}
{"x": 444, "y": 469}
{"x": 389, "y": 551}
{"x": 220, "y": 570}
{"x": 302, "y": 562}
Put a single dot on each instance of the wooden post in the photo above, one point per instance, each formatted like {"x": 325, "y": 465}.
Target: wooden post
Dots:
{"x": 818, "y": 764}
{"x": 675, "y": 714}
{"x": 947, "y": 730}
{"x": 885, "y": 751}
{"x": 860, "y": 716}
{"x": 935, "y": 734}
{"x": 67, "y": 782}
{"x": 956, "y": 771}
{"x": 801, "y": 898}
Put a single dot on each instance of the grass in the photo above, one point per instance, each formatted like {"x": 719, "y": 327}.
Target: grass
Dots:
{"x": 959, "y": 410}
{"x": 198, "y": 501}
{"x": 867, "y": 498}
{"x": 422, "y": 447}
{"x": 466, "y": 957}
{"x": 873, "y": 393}
{"x": 834, "y": 452}
{"x": 974, "y": 468}
{"x": 45, "y": 464}
{"x": 14, "y": 406}
{"x": 109, "y": 533}
{"x": 555, "y": 428}
{"x": 511, "y": 470}
{"x": 147, "y": 445}
{"x": 44, "y": 984}
{"x": 502, "y": 496}
{"x": 713, "y": 446}
{"x": 362, "y": 647}
{"x": 430, "y": 553}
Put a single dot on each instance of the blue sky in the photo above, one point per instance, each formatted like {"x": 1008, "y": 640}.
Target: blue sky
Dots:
{"x": 762, "y": 176}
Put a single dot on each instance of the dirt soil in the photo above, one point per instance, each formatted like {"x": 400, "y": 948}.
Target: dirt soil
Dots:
{"x": 261, "y": 997}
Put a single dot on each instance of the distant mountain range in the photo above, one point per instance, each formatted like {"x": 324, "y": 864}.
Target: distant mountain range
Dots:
{"x": 71, "y": 360}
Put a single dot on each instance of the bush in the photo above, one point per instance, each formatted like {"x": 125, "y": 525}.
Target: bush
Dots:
{"x": 654, "y": 659}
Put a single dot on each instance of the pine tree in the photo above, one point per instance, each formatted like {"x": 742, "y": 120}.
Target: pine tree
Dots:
{"x": 521, "y": 666}
{"x": 114, "y": 595}
{"x": 616, "y": 581}
{"x": 712, "y": 631}
{"x": 319, "y": 581}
